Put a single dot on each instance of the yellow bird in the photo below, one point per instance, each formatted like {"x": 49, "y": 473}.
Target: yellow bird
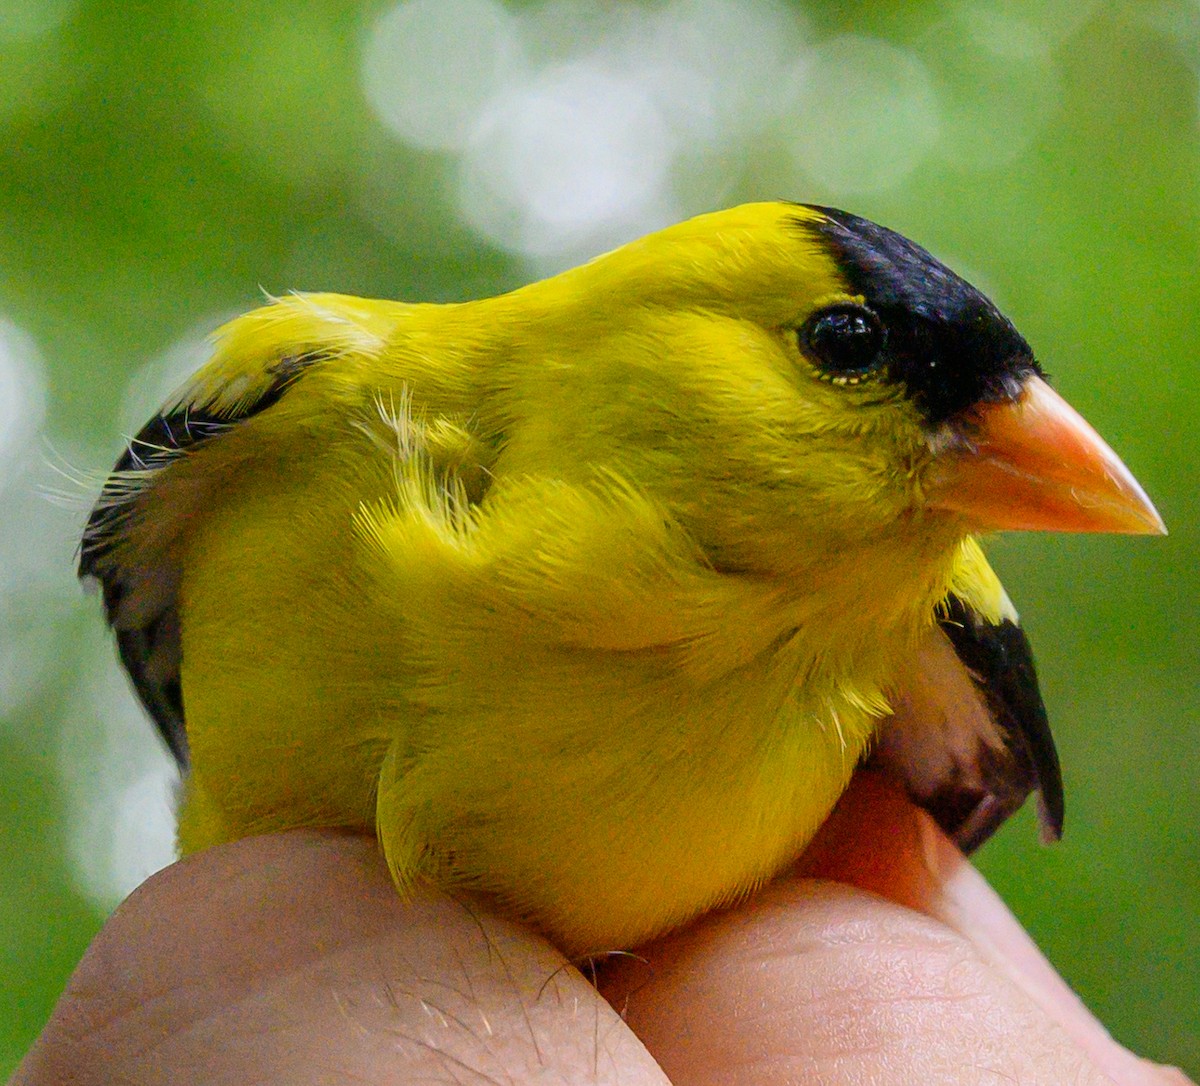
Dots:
{"x": 590, "y": 598}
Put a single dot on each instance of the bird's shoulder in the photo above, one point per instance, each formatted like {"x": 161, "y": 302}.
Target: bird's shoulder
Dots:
{"x": 159, "y": 486}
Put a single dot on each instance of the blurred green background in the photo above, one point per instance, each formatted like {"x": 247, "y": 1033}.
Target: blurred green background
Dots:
{"x": 162, "y": 164}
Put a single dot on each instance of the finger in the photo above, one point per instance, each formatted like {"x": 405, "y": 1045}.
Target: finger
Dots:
{"x": 291, "y": 958}
{"x": 821, "y": 981}
{"x": 905, "y": 857}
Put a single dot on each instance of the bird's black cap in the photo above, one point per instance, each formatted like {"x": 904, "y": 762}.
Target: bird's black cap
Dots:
{"x": 946, "y": 342}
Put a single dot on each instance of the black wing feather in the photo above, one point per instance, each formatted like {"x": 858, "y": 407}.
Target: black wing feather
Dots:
{"x": 148, "y": 634}
{"x": 969, "y": 739}
{"x": 1000, "y": 660}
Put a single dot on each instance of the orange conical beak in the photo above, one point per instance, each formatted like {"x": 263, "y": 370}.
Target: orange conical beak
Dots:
{"x": 1036, "y": 464}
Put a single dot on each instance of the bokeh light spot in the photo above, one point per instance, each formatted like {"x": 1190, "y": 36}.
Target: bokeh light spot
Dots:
{"x": 110, "y": 762}
{"x": 22, "y": 20}
{"x": 578, "y": 159}
{"x": 1000, "y": 86}
{"x": 22, "y": 395}
{"x": 716, "y": 68}
{"x": 865, "y": 114}
{"x": 578, "y": 127}
{"x": 430, "y": 66}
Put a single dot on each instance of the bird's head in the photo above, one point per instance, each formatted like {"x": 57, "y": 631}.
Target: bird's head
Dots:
{"x": 796, "y": 381}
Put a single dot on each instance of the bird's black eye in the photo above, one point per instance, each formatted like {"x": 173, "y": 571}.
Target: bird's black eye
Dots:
{"x": 845, "y": 341}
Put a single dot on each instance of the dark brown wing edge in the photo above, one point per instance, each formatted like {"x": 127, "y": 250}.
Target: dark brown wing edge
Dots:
{"x": 139, "y": 602}
{"x": 969, "y": 739}
{"x": 1000, "y": 661}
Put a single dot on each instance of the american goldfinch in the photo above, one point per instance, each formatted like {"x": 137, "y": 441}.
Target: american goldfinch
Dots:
{"x": 590, "y": 598}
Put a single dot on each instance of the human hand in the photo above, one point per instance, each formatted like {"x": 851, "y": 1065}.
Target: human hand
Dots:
{"x": 291, "y": 959}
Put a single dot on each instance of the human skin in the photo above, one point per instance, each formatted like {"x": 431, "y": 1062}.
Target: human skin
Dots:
{"x": 881, "y": 957}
